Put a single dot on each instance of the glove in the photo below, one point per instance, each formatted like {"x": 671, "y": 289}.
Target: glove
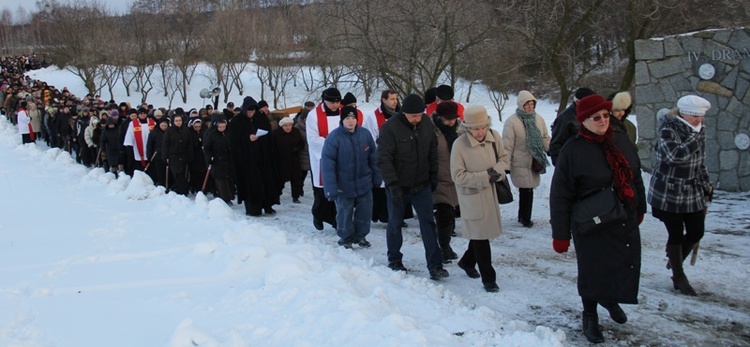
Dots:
{"x": 494, "y": 175}
{"x": 640, "y": 218}
{"x": 560, "y": 246}
{"x": 397, "y": 197}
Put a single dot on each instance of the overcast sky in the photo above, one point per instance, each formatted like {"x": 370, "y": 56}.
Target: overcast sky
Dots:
{"x": 116, "y": 6}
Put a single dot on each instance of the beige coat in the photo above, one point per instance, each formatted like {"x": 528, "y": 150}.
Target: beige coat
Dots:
{"x": 514, "y": 140}
{"x": 36, "y": 117}
{"x": 480, "y": 210}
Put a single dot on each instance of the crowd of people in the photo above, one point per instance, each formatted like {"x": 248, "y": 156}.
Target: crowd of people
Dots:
{"x": 430, "y": 156}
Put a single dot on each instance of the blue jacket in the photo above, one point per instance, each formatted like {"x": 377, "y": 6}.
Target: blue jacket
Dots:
{"x": 348, "y": 163}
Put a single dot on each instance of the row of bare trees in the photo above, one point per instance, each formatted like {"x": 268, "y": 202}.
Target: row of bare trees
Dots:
{"x": 409, "y": 46}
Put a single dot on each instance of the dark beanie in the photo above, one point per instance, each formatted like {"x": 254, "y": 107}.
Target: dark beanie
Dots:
{"x": 348, "y": 99}
{"x": 429, "y": 95}
{"x": 583, "y": 92}
{"x": 413, "y": 104}
{"x": 262, "y": 104}
{"x": 444, "y": 92}
{"x": 132, "y": 111}
{"x": 331, "y": 94}
{"x": 349, "y": 111}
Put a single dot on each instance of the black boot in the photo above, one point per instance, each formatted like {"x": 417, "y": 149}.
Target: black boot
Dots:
{"x": 591, "y": 327}
{"x": 679, "y": 280}
{"x": 615, "y": 311}
{"x": 687, "y": 247}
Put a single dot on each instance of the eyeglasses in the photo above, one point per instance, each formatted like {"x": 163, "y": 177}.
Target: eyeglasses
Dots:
{"x": 599, "y": 117}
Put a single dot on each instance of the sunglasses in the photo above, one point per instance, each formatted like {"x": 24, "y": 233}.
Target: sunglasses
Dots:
{"x": 599, "y": 117}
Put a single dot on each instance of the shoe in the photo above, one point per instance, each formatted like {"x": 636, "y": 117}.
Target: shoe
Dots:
{"x": 491, "y": 287}
{"x": 404, "y": 225}
{"x": 254, "y": 214}
{"x": 615, "y": 311}
{"x": 470, "y": 271}
{"x": 296, "y": 201}
{"x": 270, "y": 210}
{"x": 364, "y": 243}
{"x": 438, "y": 273}
{"x": 397, "y": 266}
{"x": 333, "y": 225}
{"x": 591, "y": 328}
{"x": 318, "y": 224}
{"x": 448, "y": 255}
{"x": 347, "y": 245}
{"x": 528, "y": 224}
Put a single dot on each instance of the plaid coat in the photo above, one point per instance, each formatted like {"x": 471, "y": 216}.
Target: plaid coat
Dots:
{"x": 680, "y": 179}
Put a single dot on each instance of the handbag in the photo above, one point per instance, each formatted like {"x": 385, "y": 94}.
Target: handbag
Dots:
{"x": 502, "y": 188}
{"x": 597, "y": 211}
{"x": 538, "y": 166}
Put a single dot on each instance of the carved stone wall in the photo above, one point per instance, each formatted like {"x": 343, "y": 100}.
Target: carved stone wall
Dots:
{"x": 714, "y": 64}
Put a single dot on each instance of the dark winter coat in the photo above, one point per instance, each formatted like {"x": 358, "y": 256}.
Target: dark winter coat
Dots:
{"x": 564, "y": 127}
{"x": 626, "y": 126}
{"x": 289, "y": 145}
{"x": 176, "y": 148}
{"x": 680, "y": 181}
{"x": 198, "y": 161}
{"x": 446, "y": 189}
{"x": 217, "y": 154}
{"x": 300, "y": 122}
{"x": 609, "y": 262}
{"x": 154, "y": 144}
{"x": 407, "y": 154}
{"x": 254, "y": 161}
{"x": 349, "y": 163}
{"x": 111, "y": 142}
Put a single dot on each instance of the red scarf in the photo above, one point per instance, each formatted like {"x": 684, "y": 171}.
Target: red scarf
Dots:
{"x": 139, "y": 138}
{"x": 622, "y": 175}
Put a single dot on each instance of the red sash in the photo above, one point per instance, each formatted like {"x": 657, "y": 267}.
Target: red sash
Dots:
{"x": 31, "y": 133}
{"x": 322, "y": 120}
{"x": 379, "y": 117}
{"x": 360, "y": 117}
{"x": 139, "y": 138}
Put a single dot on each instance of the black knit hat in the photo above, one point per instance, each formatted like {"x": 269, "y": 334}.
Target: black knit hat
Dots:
{"x": 583, "y": 92}
{"x": 413, "y": 104}
{"x": 429, "y": 95}
{"x": 444, "y": 92}
{"x": 331, "y": 94}
{"x": 262, "y": 104}
{"x": 349, "y": 111}
{"x": 349, "y": 98}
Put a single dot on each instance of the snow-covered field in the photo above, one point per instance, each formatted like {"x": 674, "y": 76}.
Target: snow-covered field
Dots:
{"x": 87, "y": 259}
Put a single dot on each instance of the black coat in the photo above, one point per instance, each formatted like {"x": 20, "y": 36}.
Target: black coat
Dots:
{"x": 609, "y": 262}
{"x": 154, "y": 144}
{"x": 289, "y": 145}
{"x": 176, "y": 148}
{"x": 218, "y": 154}
{"x": 198, "y": 161}
{"x": 564, "y": 127}
{"x": 110, "y": 144}
{"x": 407, "y": 155}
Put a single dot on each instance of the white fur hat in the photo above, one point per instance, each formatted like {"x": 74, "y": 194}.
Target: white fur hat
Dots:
{"x": 286, "y": 120}
{"x": 621, "y": 101}
{"x": 693, "y": 105}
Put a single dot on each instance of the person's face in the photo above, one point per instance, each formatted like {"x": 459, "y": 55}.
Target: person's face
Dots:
{"x": 598, "y": 123}
{"x": 250, "y": 113}
{"x": 618, "y": 114}
{"x": 449, "y": 122}
{"x": 287, "y": 128}
{"x": 221, "y": 127}
{"x": 692, "y": 120}
{"x": 391, "y": 102}
{"x": 133, "y": 116}
{"x": 142, "y": 115}
{"x": 309, "y": 108}
{"x": 197, "y": 126}
{"x": 333, "y": 105}
{"x": 479, "y": 132}
{"x": 177, "y": 121}
{"x": 413, "y": 118}
{"x": 163, "y": 126}
{"x": 350, "y": 123}
{"x": 529, "y": 106}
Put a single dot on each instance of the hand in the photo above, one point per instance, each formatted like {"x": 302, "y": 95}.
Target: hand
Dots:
{"x": 640, "y": 218}
{"x": 397, "y": 197}
{"x": 211, "y": 161}
{"x": 709, "y": 197}
{"x": 560, "y": 246}
{"x": 494, "y": 175}
{"x": 253, "y": 137}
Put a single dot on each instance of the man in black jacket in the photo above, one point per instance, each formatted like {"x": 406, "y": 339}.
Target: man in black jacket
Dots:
{"x": 565, "y": 125}
{"x": 407, "y": 157}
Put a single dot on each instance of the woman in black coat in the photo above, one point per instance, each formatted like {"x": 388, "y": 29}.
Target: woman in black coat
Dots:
{"x": 158, "y": 166}
{"x": 289, "y": 142}
{"x": 176, "y": 149}
{"x": 218, "y": 156}
{"x": 110, "y": 144}
{"x": 197, "y": 164}
{"x": 254, "y": 157}
{"x": 609, "y": 261}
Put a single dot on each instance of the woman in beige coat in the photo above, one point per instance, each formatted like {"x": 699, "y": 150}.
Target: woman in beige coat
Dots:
{"x": 36, "y": 119}
{"x": 478, "y": 160}
{"x": 526, "y": 139}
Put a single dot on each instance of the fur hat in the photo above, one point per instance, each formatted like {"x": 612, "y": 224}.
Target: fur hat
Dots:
{"x": 349, "y": 111}
{"x": 309, "y": 104}
{"x": 158, "y": 112}
{"x": 429, "y": 95}
{"x": 621, "y": 101}
{"x": 286, "y": 120}
{"x": 582, "y": 92}
{"x": 444, "y": 92}
{"x": 590, "y": 105}
{"x": 693, "y": 105}
{"x": 524, "y": 96}
{"x": 262, "y": 104}
{"x": 447, "y": 110}
{"x": 413, "y": 104}
{"x": 476, "y": 116}
{"x": 331, "y": 94}
{"x": 349, "y": 98}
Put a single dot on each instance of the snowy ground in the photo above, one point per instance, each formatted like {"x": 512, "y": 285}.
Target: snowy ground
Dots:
{"x": 90, "y": 260}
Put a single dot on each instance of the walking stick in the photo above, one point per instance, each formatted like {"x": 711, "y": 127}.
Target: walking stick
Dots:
{"x": 150, "y": 161}
{"x": 205, "y": 180}
{"x": 694, "y": 255}
{"x": 98, "y": 155}
{"x": 166, "y": 178}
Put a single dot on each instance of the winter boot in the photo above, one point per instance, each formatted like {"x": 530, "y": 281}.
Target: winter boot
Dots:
{"x": 687, "y": 247}
{"x": 591, "y": 327}
{"x": 679, "y": 280}
{"x": 615, "y": 311}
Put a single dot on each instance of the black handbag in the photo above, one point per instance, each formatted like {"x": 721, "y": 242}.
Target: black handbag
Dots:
{"x": 502, "y": 188}
{"x": 538, "y": 167}
{"x": 597, "y": 211}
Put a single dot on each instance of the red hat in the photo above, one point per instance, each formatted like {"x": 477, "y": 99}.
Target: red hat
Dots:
{"x": 590, "y": 105}
{"x": 447, "y": 110}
